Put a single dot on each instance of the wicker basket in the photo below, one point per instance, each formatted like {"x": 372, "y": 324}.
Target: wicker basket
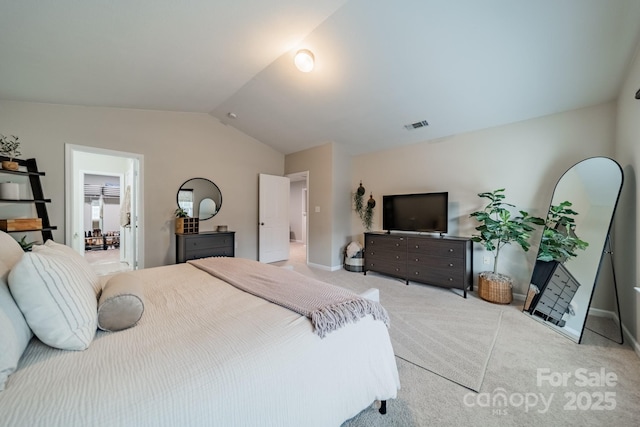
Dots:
{"x": 355, "y": 263}
{"x": 495, "y": 287}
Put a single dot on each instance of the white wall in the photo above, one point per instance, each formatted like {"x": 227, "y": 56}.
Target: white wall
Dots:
{"x": 318, "y": 162}
{"x": 176, "y": 147}
{"x": 526, "y": 158}
{"x": 626, "y": 246}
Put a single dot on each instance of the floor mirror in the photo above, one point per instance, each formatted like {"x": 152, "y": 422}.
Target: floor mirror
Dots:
{"x": 574, "y": 246}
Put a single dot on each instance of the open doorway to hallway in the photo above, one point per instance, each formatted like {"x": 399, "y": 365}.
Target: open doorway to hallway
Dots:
{"x": 103, "y": 193}
{"x": 298, "y": 218}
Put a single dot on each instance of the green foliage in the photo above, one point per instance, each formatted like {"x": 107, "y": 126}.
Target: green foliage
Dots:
{"x": 559, "y": 241}
{"x": 9, "y": 146}
{"x": 181, "y": 213}
{"x": 26, "y": 246}
{"x": 364, "y": 212}
{"x": 499, "y": 227}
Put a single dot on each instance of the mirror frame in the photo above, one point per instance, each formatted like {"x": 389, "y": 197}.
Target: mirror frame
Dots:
{"x": 604, "y": 251}
{"x": 215, "y": 194}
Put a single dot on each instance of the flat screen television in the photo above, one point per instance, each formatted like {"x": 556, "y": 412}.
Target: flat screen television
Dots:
{"x": 424, "y": 212}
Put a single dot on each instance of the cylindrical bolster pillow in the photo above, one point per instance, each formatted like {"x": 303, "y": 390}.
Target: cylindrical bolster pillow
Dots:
{"x": 121, "y": 304}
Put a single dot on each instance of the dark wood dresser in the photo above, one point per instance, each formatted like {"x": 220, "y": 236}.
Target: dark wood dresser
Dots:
{"x": 440, "y": 261}
{"x": 206, "y": 244}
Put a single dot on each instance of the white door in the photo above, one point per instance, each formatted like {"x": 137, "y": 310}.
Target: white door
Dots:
{"x": 273, "y": 218}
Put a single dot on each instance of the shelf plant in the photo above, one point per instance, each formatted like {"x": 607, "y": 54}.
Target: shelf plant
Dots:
{"x": 181, "y": 213}
{"x": 500, "y": 227}
{"x": 10, "y": 147}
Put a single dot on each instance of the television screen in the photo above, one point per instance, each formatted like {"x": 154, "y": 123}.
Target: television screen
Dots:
{"x": 425, "y": 212}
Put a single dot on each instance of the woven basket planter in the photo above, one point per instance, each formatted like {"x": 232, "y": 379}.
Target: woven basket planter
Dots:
{"x": 495, "y": 287}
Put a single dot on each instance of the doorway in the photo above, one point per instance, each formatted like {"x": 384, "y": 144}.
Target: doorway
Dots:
{"x": 103, "y": 193}
{"x": 298, "y": 216}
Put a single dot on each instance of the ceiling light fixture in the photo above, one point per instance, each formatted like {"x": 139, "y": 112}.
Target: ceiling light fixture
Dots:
{"x": 304, "y": 60}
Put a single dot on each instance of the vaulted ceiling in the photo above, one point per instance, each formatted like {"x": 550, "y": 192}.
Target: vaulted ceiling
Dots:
{"x": 461, "y": 65}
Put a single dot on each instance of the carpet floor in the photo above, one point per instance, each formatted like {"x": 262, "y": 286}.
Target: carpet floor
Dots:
{"x": 601, "y": 384}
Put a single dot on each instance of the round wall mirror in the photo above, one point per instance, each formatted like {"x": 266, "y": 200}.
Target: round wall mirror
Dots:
{"x": 200, "y": 198}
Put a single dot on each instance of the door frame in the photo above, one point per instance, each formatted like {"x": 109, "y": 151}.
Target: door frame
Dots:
{"x": 73, "y": 196}
{"x": 304, "y": 175}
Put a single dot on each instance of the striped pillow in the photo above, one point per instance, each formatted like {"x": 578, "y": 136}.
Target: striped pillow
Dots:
{"x": 80, "y": 262}
{"x": 56, "y": 298}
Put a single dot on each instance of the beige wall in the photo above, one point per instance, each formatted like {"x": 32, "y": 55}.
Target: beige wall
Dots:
{"x": 176, "y": 147}
{"x": 526, "y": 158}
{"x": 626, "y": 227}
{"x": 319, "y": 162}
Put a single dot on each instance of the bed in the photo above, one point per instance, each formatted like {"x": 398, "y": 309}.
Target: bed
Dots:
{"x": 203, "y": 353}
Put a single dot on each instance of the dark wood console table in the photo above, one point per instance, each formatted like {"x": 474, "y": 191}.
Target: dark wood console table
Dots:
{"x": 440, "y": 261}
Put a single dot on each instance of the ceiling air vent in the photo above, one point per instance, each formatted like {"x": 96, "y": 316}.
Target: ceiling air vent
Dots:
{"x": 416, "y": 125}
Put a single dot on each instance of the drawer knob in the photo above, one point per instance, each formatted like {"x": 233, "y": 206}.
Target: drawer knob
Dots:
{"x": 417, "y": 260}
{"x": 417, "y": 246}
{"x": 450, "y": 279}
{"x": 450, "y": 250}
{"x": 450, "y": 265}
{"x": 417, "y": 273}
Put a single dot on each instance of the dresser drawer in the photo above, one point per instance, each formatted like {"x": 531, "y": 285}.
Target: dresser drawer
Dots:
{"x": 386, "y": 267}
{"x": 202, "y": 245}
{"x": 386, "y": 255}
{"x": 209, "y": 252}
{"x": 385, "y": 242}
{"x": 434, "y": 247}
{"x": 448, "y": 277}
{"x": 204, "y": 242}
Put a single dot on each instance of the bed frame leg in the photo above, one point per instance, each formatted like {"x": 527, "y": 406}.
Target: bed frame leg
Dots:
{"x": 383, "y": 407}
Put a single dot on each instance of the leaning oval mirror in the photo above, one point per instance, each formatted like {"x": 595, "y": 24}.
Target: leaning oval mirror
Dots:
{"x": 573, "y": 245}
{"x": 200, "y": 198}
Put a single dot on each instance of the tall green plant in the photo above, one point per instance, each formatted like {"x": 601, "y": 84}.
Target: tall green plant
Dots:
{"x": 559, "y": 241}
{"x": 500, "y": 228}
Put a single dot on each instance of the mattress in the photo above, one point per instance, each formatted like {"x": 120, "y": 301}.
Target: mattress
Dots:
{"x": 205, "y": 354}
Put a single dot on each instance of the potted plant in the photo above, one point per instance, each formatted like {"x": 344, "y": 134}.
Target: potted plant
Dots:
{"x": 185, "y": 224}
{"x": 26, "y": 246}
{"x": 558, "y": 244}
{"x": 9, "y": 146}
{"x": 498, "y": 228}
{"x": 364, "y": 212}
{"x": 559, "y": 241}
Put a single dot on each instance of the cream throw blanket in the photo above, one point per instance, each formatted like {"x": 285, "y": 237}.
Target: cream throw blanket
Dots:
{"x": 327, "y": 306}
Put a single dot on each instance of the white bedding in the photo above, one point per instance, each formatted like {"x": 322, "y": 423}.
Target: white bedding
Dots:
{"x": 204, "y": 354}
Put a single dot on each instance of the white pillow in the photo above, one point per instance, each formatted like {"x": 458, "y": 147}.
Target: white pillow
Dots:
{"x": 10, "y": 251}
{"x": 121, "y": 304}
{"x": 14, "y": 331}
{"x": 56, "y": 298}
{"x": 79, "y": 261}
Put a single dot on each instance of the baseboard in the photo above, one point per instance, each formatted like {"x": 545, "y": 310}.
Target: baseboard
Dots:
{"x": 325, "y": 267}
{"x": 631, "y": 340}
{"x": 635, "y": 345}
